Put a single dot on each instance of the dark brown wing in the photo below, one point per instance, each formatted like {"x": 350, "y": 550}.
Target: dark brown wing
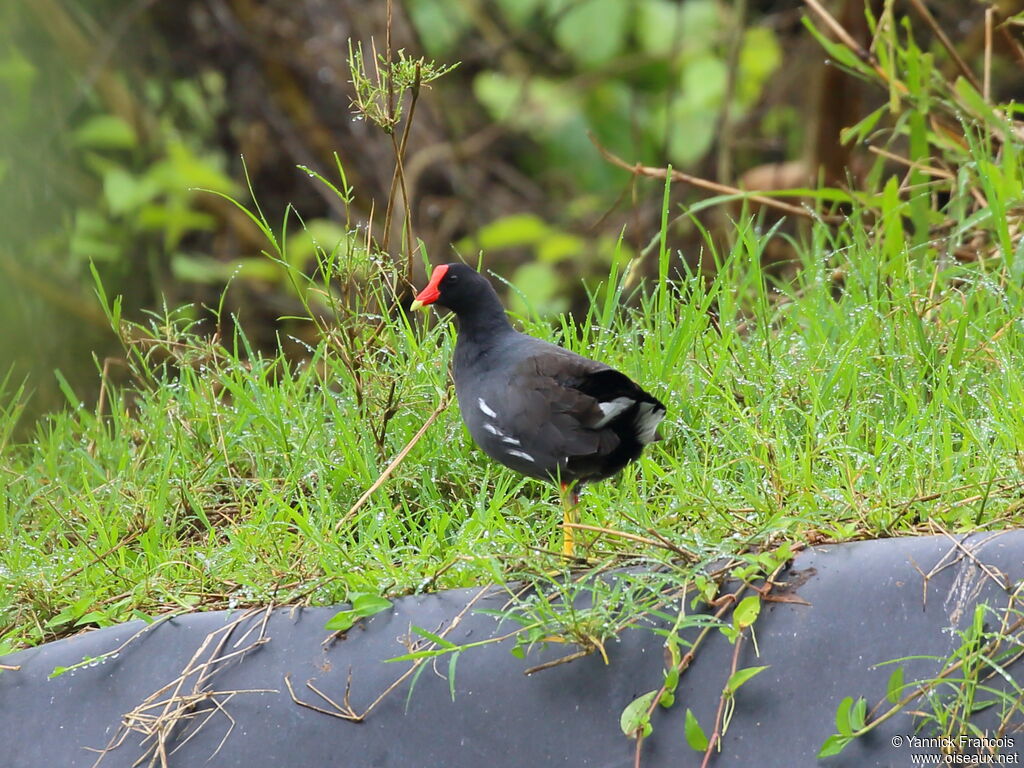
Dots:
{"x": 552, "y": 412}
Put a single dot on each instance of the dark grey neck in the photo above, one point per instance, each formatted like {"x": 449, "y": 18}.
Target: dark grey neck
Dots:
{"x": 485, "y": 320}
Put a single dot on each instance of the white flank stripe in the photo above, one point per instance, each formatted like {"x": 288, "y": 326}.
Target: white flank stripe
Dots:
{"x": 488, "y": 411}
{"x": 612, "y": 409}
{"x": 647, "y": 420}
{"x": 521, "y": 455}
{"x": 498, "y": 433}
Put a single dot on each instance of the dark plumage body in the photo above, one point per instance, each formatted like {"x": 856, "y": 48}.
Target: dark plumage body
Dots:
{"x": 533, "y": 406}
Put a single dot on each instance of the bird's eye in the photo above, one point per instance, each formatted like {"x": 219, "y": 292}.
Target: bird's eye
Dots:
{"x": 453, "y": 278}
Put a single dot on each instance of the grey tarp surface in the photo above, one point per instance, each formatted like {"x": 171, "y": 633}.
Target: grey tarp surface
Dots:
{"x": 868, "y": 603}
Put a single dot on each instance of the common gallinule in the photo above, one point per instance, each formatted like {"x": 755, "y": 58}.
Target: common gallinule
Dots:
{"x": 537, "y": 408}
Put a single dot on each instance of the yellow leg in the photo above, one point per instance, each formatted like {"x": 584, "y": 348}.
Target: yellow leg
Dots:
{"x": 569, "y": 501}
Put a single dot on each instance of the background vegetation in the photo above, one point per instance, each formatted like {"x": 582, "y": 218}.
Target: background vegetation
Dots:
{"x": 116, "y": 112}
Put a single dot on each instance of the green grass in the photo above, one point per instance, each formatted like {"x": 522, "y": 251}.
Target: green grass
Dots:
{"x": 798, "y": 409}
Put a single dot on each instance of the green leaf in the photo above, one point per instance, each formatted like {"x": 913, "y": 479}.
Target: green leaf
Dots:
{"x": 452, "y": 661}
{"x": 840, "y": 53}
{"x": 672, "y": 679}
{"x": 594, "y": 31}
{"x": 860, "y": 131}
{"x": 746, "y": 612}
{"x": 363, "y": 605}
{"x": 439, "y": 23}
{"x": 704, "y": 82}
{"x": 341, "y": 621}
{"x": 664, "y": 27}
{"x": 843, "y": 717}
{"x": 740, "y": 676}
{"x": 104, "y": 132}
{"x": 974, "y": 101}
{"x": 690, "y": 127}
{"x": 695, "y": 735}
{"x": 833, "y": 745}
{"x": 858, "y": 714}
{"x": 518, "y": 11}
{"x": 539, "y": 106}
{"x": 125, "y": 192}
{"x": 760, "y": 56}
{"x": 634, "y": 717}
{"x": 656, "y": 25}
{"x": 436, "y": 639}
{"x": 667, "y": 699}
{"x": 537, "y": 290}
{"x": 894, "y": 688}
{"x": 513, "y": 231}
{"x": 331, "y": 237}
{"x": 369, "y": 604}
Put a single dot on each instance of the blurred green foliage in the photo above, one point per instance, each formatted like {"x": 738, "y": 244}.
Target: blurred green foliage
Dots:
{"x": 640, "y": 75}
{"x": 648, "y": 79}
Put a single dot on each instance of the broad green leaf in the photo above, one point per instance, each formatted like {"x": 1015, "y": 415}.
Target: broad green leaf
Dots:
{"x": 656, "y": 25}
{"x": 746, "y": 612}
{"x": 560, "y": 246}
{"x": 536, "y": 105}
{"x": 183, "y": 170}
{"x": 363, "y": 605}
{"x": 704, "y": 81}
{"x": 331, "y": 237}
{"x": 833, "y": 745}
{"x": 126, "y": 192}
{"x": 843, "y": 717}
{"x": 634, "y": 717}
{"x": 517, "y": 230}
{"x": 104, "y": 132}
{"x": 197, "y": 268}
{"x": 369, "y": 604}
{"x": 760, "y": 56}
{"x": 538, "y": 290}
{"x": 894, "y": 688}
{"x": 594, "y": 31}
{"x": 672, "y": 678}
{"x": 695, "y": 735}
{"x": 740, "y": 676}
{"x": 858, "y": 714}
{"x": 518, "y": 12}
{"x": 94, "y": 237}
{"x": 341, "y": 621}
{"x": 440, "y": 23}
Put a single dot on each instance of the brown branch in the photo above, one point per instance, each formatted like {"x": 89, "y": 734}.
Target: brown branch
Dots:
{"x": 716, "y": 735}
{"x": 660, "y": 173}
{"x": 685, "y": 661}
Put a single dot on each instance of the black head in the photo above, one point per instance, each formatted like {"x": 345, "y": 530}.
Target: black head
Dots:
{"x": 455, "y": 286}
